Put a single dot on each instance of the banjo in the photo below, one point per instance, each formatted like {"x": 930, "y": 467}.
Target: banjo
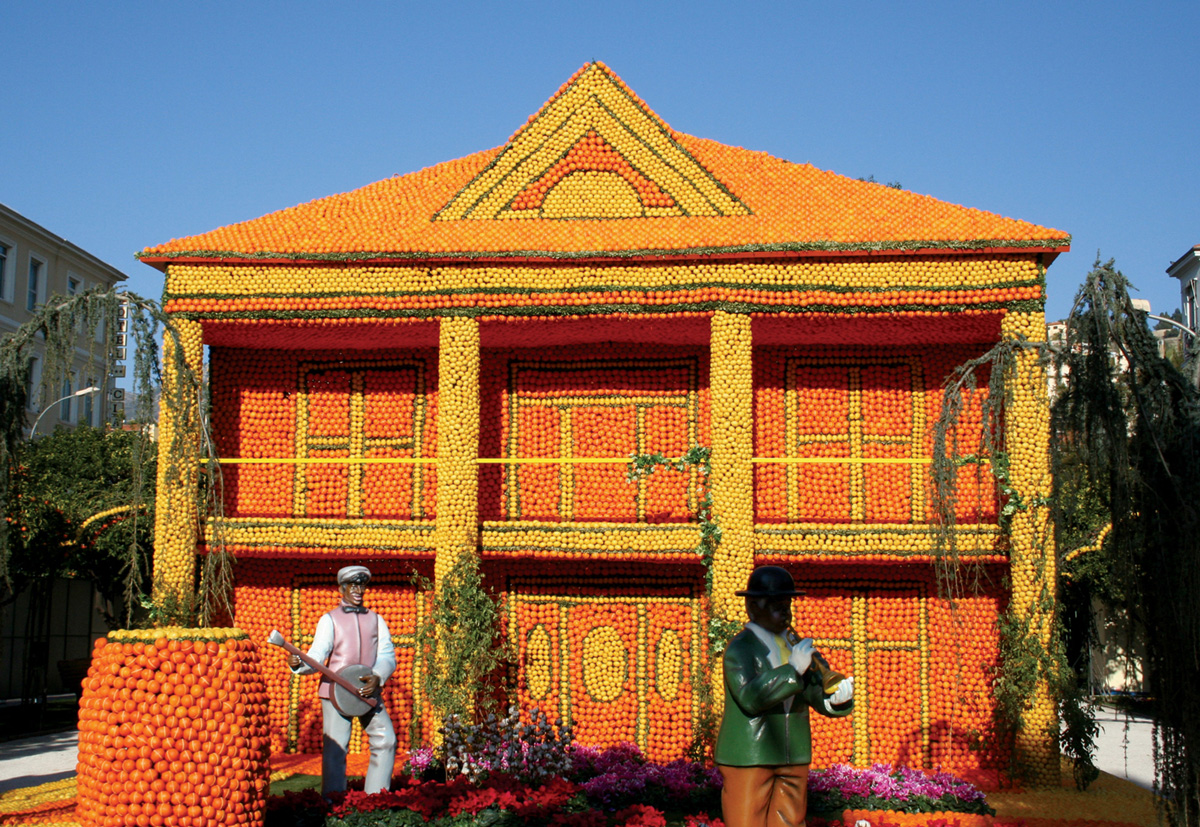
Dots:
{"x": 346, "y": 683}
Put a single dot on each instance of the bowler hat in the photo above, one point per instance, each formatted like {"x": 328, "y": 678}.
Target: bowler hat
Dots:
{"x": 770, "y": 581}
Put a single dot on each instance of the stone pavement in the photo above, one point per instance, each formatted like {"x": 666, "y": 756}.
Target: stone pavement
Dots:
{"x": 28, "y": 762}
{"x": 1124, "y": 746}
{"x": 1123, "y": 749}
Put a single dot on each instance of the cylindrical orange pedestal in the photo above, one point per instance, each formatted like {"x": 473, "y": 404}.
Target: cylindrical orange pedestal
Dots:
{"x": 173, "y": 730}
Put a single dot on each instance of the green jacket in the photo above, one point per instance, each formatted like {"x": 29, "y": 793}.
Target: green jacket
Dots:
{"x": 755, "y": 730}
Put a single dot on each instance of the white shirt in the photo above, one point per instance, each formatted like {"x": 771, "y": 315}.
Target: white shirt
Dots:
{"x": 774, "y": 654}
{"x": 775, "y": 658}
{"x": 322, "y": 647}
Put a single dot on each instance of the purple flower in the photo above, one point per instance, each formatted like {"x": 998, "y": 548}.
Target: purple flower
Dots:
{"x": 900, "y": 786}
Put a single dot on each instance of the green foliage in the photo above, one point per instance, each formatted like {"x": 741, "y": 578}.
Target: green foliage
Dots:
{"x": 698, "y": 457}
{"x": 61, "y": 331}
{"x": 60, "y": 484}
{"x": 870, "y": 179}
{"x": 1127, "y": 424}
{"x": 166, "y": 607}
{"x": 1031, "y": 640}
{"x": 720, "y": 630}
{"x": 532, "y": 752}
{"x": 461, "y": 643}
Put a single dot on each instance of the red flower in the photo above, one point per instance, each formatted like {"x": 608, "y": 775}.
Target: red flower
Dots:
{"x": 640, "y": 815}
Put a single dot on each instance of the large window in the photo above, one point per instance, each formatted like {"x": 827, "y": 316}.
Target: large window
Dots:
{"x": 89, "y": 405}
{"x": 4, "y": 280}
{"x": 37, "y": 273}
{"x": 362, "y": 410}
{"x": 33, "y": 388}
{"x": 64, "y": 409}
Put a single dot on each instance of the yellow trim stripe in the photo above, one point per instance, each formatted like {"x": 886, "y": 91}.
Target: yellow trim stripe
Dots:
{"x": 551, "y": 460}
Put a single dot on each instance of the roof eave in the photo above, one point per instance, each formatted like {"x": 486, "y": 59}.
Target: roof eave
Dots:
{"x": 1048, "y": 247}
{"x": 1182, "y": 261}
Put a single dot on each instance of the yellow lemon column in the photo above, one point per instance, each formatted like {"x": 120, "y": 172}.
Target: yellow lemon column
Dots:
{"x": 457, "y": 444}
{"x": 177, "y": 524}
{"x": 731, "y": 378}
{"x": 1032, "y": 564}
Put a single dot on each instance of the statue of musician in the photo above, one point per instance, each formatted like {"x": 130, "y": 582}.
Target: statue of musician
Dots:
{"x": 353, "y": 634}
{"x": 772, "y": 677}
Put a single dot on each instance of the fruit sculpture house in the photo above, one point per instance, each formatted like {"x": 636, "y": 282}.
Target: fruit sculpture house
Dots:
{"x": 460, "y": 361}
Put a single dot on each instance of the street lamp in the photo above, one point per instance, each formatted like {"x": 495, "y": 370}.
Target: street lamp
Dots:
{"x": 46, "y": 410}
{"x": 1144, "y": 306}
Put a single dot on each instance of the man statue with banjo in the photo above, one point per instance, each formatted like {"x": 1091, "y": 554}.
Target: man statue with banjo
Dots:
{"x": 358, "y": 646}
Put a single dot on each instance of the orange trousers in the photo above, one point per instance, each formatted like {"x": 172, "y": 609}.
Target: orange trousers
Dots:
{"x": 764, "y": 796}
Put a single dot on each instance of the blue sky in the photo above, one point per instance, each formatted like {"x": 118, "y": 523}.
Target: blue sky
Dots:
{"x": 127, "y": 124}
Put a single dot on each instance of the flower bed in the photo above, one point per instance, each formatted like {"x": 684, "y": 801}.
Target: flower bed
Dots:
{"x": 618, "y": 787}
{"x": 881, "y": 787}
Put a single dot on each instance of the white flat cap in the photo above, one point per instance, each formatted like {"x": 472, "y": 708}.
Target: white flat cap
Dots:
{"x": 354, "y": 574}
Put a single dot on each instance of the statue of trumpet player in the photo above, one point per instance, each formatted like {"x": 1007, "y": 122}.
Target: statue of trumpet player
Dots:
{"x": 772, "y": 677}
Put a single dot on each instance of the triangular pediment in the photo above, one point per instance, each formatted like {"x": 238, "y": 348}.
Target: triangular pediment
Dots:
{"x": 593, "y": 151}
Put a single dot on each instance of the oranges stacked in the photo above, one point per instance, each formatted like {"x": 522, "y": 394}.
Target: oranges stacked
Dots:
{"x": 922, "y": 668}
{"x": 296, "y": 403}
{"x": 614, "y": 658}
{"x": 837, "y": 309}
{"x": 593, "y": 153}
{"x": 859, "y": 403}
{"x": 173, "y": 730}
{"x": 461, "y": 207}
{"x": 457, "y": 443}
{"x": 733, "y": 446}
{"x": 594, "y": 401}
{"x": 938, "y": 284}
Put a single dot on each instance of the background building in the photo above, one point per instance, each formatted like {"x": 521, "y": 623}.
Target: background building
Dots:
{"x": 36, "y": 264}
{"x": 1187, "y": 269}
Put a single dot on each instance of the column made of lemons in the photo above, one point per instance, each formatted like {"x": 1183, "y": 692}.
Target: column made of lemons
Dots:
{"x": 1027, "y": 441}
{"x": 457, "y": 530}
{"x": 177, "y": 523}
{"x": 732, "y": 389}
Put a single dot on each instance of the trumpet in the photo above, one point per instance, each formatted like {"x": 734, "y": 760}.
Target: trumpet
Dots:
{"x": 829, "y": 677}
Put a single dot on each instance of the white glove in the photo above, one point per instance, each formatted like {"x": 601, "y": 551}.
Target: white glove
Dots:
{"x": 843, "y": 693}
{"x": 801, "y": 656}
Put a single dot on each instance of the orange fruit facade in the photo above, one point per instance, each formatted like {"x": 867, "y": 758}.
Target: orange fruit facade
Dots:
{"x": 467, "y": 356}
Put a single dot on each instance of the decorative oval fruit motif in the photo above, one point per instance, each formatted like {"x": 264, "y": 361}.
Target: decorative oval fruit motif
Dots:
{"x": 605, "y": 664}
{"x": 668, "y": 664}
{"x": 537, "y": 662}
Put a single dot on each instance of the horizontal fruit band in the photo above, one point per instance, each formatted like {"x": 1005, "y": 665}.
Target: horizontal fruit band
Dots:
{"x": 552, "y": 460}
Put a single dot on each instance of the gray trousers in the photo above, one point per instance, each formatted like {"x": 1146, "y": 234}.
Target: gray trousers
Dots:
{"x": 380, "y": 735}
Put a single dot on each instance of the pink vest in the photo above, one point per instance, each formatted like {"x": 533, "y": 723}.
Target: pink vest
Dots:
{"x": 355, "y": 640}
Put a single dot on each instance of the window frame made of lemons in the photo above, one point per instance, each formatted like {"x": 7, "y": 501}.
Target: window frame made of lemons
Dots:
{"x": 861, "y": 591}
{"x": 534, "y": 590}
{"x": 688, "y": 399}
{"x": 855, "y": 435}
{"x": 357, "y": 371}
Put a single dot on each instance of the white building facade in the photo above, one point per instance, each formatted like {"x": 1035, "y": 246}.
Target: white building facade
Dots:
{"x": 36, "y": 264}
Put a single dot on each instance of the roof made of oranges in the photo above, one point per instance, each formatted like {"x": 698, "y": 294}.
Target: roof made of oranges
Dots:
{"x": 597, "y": 174}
